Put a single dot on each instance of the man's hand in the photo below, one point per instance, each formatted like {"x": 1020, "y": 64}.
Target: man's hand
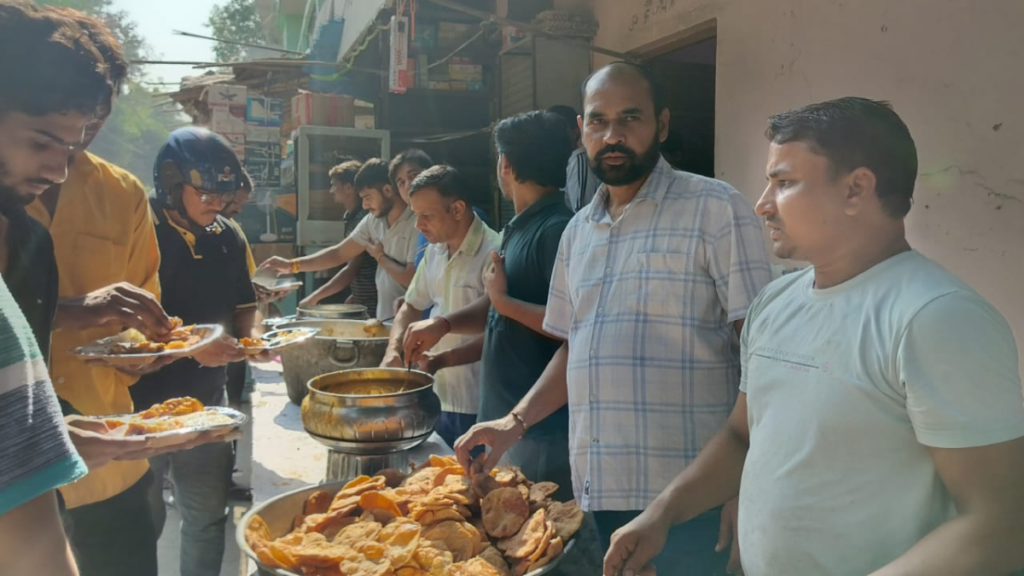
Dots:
{"x": 137, "y": 369}
{"x": 422, "y": 336}
{"x": 120, "y": 305}
{"x": 431, "y": 363}
{"x": 309, "y": 301}
{"x": 208, "y": 437}
{"x": 220, "y": 352}
{"x": 375, "y": 250}
{"x": 280, "y": 265}
{"x": 636, "y": 544}
{"x": 727, "y": 533}
{"x": 392, "y": 359}
{"x": 495, "y": 281}
{"x": 264, "y": 296}
{"x": 95, "y": 447}
{"x": 499, "y": 435}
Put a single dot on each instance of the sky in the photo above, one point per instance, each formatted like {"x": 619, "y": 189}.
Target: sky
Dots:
{"x": 157, "y": 20}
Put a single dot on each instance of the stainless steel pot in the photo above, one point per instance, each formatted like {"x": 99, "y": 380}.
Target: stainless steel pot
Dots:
{"x": 334, "y": 312}
{"x": 340, "y": 407}
{"x": 340, "y": 345}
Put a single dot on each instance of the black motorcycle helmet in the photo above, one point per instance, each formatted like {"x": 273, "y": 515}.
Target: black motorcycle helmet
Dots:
{"x": 200, "y": 158}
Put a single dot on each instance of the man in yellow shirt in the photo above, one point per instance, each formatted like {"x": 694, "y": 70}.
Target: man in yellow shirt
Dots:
{"x": 107, "y": 258}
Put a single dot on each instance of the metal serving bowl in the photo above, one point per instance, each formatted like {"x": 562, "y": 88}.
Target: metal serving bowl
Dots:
{"x": 334, "y": 312}
{"x": 340, "y": 407}
{"x": 339, "y": 345}
{"x": 279, "y": 513}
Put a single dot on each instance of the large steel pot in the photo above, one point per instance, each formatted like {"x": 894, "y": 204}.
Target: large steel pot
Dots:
{"x": 340, "y": 345}
{"x": 369, "y": 407}
{"x": 334, "y": 312}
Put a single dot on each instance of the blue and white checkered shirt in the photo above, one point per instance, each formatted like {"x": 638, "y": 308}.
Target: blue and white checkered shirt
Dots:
{"x": 647, "y": 304}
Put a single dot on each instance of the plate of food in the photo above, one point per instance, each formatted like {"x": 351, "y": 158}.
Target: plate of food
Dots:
{"x": 176, "y": 421}
{"x": 435, "y": 521}
{"x": 276, "y": 340}
{"x": 270, "y": 281}
{"x": 132, "y": 348}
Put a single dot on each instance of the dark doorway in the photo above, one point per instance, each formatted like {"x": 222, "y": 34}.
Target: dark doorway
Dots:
{"x": 687, "y": 74}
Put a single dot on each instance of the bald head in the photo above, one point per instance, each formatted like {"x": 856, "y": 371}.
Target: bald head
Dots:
{"x": 628, "y": 73}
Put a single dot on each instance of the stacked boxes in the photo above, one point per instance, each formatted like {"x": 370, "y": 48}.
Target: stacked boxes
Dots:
{"x": 263, "y": 140}
{"x": 314, "y": 109}
{"x": 227, "y": 114}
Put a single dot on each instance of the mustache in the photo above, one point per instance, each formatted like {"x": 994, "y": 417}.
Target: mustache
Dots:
{"x": 614, "y": 149}
{"x": 42, "y": 182}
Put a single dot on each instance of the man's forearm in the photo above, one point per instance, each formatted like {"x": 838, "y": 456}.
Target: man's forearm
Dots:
{"x": 402, "y": 273}
{"x": 406, "y": 316}
{"x": 711, "y": 480}
{"x": 549, "y": 393}
{"x": 466, "y": 353}
{"x": 472, "y": 319}
{"x": 330, "y": 257}
{"x": 527, "y": 314}
{"x": 966, "y": 545}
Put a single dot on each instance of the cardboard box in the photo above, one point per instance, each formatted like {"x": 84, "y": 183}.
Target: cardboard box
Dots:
{"x": 425, "y": 39}
{"x": 366, "y": 122}
{"x": 262, "y": 134}
{"x": 225, "y": 94}
{"x": 227, "y": 118}
{"x": 466, "y": 72}
{"x": 262, "y": 111}
{"x": 265, "y": 173}
{"x": 451, "y": 34}
{"x": 237, "y": 142}
{"x": 313, "y": 109}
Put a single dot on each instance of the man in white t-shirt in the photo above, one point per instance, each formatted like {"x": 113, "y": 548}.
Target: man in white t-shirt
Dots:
{"x": 880, "y": 425}
{"x": 449, "y": 278}
{"x": 387, "y": 234}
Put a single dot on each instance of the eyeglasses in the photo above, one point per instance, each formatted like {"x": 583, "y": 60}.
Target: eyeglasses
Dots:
{"x": 215, "y": 197}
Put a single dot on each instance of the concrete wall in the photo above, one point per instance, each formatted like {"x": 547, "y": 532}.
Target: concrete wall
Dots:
{"x": 953, "y": 69}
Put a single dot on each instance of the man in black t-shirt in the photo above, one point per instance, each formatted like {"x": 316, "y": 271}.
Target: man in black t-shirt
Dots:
{"x": 533, "y": 149}
{"x": 204, "y": 279}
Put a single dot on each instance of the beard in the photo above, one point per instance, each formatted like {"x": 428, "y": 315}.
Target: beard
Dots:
{"x": 635, "y": 167}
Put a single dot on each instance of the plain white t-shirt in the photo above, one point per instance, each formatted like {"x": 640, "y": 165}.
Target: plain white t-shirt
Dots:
{"x": 846, "y": 388}
{"x": 399, "y": 243}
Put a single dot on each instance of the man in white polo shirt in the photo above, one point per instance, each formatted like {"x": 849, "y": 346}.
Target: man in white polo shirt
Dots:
{"x": 449, "y": 277}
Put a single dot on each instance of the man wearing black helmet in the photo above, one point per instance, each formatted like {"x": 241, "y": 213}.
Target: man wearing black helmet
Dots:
{"x": 204, "y": 279}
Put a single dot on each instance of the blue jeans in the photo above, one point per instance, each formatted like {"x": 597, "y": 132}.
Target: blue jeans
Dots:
{"x": 201, "y": 478}
{"x": 452, "y": 425}
{"x": 689, "y": 550}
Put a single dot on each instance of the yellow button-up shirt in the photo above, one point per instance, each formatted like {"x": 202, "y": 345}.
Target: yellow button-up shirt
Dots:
{"x": 103, "y": 234}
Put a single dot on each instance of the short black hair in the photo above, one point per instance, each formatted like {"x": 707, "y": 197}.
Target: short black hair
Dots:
{"x": 857, "y": 132}
{"x": 108, "y": 46}
{"x": 48, "y": 63}
{"x": 448, "y": 182}
{"x": 537, "y": 147}
{"x": 345, "y": 173}
{"x": 373, "y": 174}
{"x": 410, "y": 156}
{"x": 657, "y": 93}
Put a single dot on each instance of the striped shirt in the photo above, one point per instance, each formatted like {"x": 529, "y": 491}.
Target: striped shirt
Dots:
{"x": 647, "y": 305}
{"x": 36, "y": 454}
{"x": 364, "y": 286}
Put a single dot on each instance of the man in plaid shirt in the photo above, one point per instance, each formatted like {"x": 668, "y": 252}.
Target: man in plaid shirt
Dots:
{"x": 649, "y": 290}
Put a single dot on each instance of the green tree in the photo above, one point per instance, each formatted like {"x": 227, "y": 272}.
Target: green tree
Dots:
{"x": 236, "y": 20}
